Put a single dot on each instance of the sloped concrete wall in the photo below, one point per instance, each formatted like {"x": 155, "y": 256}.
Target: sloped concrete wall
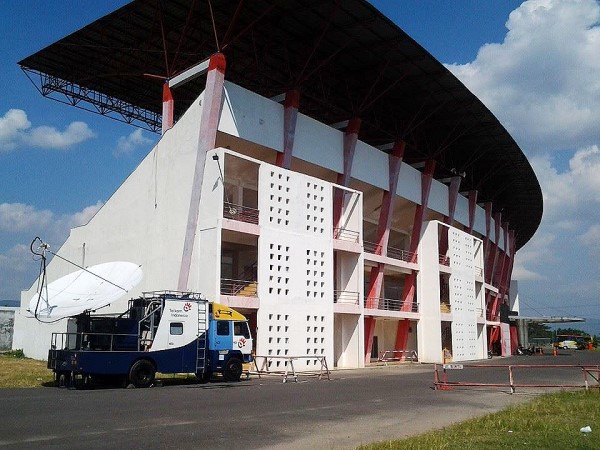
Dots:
{"x": 7, "y": 321}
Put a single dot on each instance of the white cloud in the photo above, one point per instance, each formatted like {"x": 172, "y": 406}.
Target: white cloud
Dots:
{"x": 18, "y": 217}
{"x": 12, "y": 124}
{"x": 19, "y": 222}
{"x": 50, "y": 137}
{"x": 16, "y": 131}
{"x": 590, "y": 239}
{"x": 543, "y": 81}
{"x": 127, "y": 144}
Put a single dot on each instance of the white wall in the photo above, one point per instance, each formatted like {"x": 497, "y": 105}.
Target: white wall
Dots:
{"x": 143, "y": 222}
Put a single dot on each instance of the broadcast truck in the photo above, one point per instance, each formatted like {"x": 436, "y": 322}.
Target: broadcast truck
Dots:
{"x": 162, "y": 331}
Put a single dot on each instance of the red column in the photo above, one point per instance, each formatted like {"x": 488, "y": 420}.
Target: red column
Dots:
{"x": 209, "y": 121}
{"x": 493, "y": 248}
{"x": 487, "y": 240}
{"x": 290, "y": 117}
{"x": 383, "y": 233}
{"x": 387, "y": 204}
{"x": 472, "y": 209}
{"x": 343, "y": 179}
{"x": 167, "y": 108}
{"x": 408, "y": 293}
{"x": 452, "y": 198}
{"x": 420, "y": 211}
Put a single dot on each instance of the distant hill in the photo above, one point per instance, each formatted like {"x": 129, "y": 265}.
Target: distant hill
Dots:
{"x": 590, "y": 326}
{"x": 10, "y": 303}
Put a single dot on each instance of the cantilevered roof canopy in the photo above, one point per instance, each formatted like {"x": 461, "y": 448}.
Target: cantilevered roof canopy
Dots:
{"x": 346, "y": 59}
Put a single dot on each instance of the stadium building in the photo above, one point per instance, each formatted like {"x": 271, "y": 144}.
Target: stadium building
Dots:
{"x": 318, "y": 170}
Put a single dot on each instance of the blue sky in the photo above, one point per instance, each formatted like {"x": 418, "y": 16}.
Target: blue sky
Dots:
{"x": 535, "y": 64}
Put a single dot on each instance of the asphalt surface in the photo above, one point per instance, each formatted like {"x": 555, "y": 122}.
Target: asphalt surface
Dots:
{"x": 354, "y": 407}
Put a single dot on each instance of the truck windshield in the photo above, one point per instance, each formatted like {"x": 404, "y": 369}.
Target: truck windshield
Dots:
{"x": 241, "y": 329}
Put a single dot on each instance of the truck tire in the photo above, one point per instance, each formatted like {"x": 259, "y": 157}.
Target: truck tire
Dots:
{"x": 142, "y": 373}
{"x": 233, "y": 370}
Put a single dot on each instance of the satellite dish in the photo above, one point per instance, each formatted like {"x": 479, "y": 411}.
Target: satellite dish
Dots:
{"x": 85, "y": 290}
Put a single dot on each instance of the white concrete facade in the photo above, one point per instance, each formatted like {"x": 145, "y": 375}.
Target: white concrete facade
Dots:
{"x": 265, "y": 241}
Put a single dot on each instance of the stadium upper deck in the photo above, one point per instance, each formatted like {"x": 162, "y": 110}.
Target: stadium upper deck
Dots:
{"x": 345, "y": 58}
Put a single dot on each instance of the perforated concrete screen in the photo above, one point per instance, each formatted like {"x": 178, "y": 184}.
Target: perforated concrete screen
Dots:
{"x": 295, "y": 274}
{"x": 462, "y": 296}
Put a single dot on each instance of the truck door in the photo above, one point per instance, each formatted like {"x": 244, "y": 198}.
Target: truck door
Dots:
{"x": 221, "y": 338}
{"x": 242, "y": 340}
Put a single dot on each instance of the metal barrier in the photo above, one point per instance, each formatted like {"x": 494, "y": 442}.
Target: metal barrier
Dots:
{"x": 288, "y": 369}
{"x": 444, "y": 384}
{"x": 397, "y": 355}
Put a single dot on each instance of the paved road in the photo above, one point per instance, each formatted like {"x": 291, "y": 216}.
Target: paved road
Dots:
{"x": 356, "y": 406}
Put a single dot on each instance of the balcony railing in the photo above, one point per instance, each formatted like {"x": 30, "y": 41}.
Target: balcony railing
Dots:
{"x": 445, "y": 308}
{"x": 396, "y": 253}
{"x": 445, "y": 260}
{"x": 479, "y": 312}
{"x": 478, "y": 271}
{"x": 346, "y": 297}
{"x": 344, "y": 234}
{"x": 242, "y": 288}
{"x": 403, "y": 255}
{"x": 239, "y": 212}
{"x": 389, "y": 304}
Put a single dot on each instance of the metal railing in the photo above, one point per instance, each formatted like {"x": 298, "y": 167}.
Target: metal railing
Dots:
{"x": 478, "y": 271}
{"x": 403, "y": 255}
{"x": 239, "y": 212}
{"x": 347, "y": 297}
{"x": 445, "y": 308}
{"x": 344, "y": 234}
{"x": 94, "y": 341}
{"x": 587, "y": 371}
{"x": 284, "y": 366}
{"x": 242, "y": 288}
{"x": 445, "y": 260}
{"x": 397, "y": 355}
{"x": 388, "y": 304}
{"x": 479, "y": 312}
{"x": 395, "y": 253}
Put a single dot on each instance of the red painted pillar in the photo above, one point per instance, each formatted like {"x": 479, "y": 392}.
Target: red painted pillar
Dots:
{"x": 452, "y": 198}
{"x": 209, "y": 121}
{"x": 343, "y": 179}
{"x": 493, "y": 248}
{"x": 472, "y": 209}
{"x": 488, "y": 231}
{"x": 383, "y": 233}
{"x": 168, "y": 108}
{"x": 387, "y": 204}
{"x": 408, "y": 293}
{"x": 420, "y": 211}
{"x": 290, "y": 117}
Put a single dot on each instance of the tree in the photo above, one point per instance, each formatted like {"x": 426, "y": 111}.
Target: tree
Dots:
{"x": 571, "y": 332}
{"x": 539, "y": 330}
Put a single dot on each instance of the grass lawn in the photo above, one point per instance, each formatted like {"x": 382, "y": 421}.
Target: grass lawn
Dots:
{"x": 17, "y": 371}
{"x": 551, "y": 421}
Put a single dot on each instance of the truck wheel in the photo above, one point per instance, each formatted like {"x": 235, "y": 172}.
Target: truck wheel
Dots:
{"x": 142, "y": 373}
{"x": 233, "y": 370}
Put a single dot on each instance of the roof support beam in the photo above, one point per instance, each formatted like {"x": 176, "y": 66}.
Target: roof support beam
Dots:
{"x": 188, "y": 75}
